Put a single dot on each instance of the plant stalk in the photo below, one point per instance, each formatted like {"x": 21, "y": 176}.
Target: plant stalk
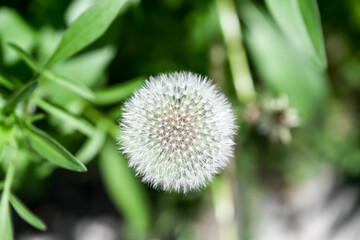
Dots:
{"x": 239, "y": 67}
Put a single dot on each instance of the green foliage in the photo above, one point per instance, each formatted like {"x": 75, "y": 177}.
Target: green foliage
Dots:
{"x": 282, "y": 68}
{"x": 87, "y": 28}
{"x": 25, "y": 57}
{"x": 19, "y": 96}
{"x": 125, "y": 190}
{"x": 81, "y": 124}
{"x": 117, "y": 93}
{"x": 13, "y": 28}
{"x": 6, "y": 83}
{"x": 51, "y": 149}
{"x": 5, "y": 219}
{"x": 72, "y": 85}
{"x": 300, "y": 22}
{"x": 26, "y": 214}
{"x": 92, "y": 146}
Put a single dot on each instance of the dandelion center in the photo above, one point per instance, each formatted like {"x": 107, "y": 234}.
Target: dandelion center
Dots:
{"x": 175, "y": 132}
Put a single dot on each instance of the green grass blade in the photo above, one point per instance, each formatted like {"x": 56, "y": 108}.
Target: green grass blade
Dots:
{"x": 280, "y": 67}
{"x": 124, "y": 188}
{"x": 74, "y": 86}
{"x": 26, "y": 214}
{"x": 300, "y": 22}
{"x": 81, "y": 124}
{"x": 88, "y": 27}
{"x": 311, "y": 17}
{"x": 52, "y": 150}
{"x": 26, "y": 57}
{"x": 117, "y": 93}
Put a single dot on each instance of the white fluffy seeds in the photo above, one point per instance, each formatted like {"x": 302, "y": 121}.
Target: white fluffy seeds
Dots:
{"x": 171, "y": 125}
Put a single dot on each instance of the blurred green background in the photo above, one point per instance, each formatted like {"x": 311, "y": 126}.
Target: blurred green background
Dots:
{"x": 284, "y": 176}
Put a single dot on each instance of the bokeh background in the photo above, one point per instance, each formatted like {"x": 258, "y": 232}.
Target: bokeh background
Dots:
{"x": 295, "y": 173}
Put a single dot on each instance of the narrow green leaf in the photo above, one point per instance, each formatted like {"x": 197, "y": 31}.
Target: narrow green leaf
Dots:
{"x": 6, "y": 83}
{"x": 1, "y": 185}
{"x": 75, "y": 86}
{"x": 119, "y": 92}
{"x": 125, "y": 190}
{"x": 52, "y": 150}
{"x": 280, "y": 66}
{"x": 300, "y": 22}
{"x": 81, "y": 124}
{"x": 26, "y": 57}
{"x": 311, "y": 16}
{"x": 26, "y": 214}
{"x": 88, "y": 27}
{"x": 13, "y": 28}
{"x": 92, "y": 146}
{"x": 87, "y": 67}
{"x": 6, "y": 231}
{"x": 20, "y": 95}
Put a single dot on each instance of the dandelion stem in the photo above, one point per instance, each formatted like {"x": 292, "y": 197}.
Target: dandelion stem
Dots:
{"x": 223, "y": 200}
{"x": 244, "y": 87}
{"x": 239, "y": 67}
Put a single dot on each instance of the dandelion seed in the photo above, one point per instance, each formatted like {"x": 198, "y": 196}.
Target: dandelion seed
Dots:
{"x": 176, "y": 156}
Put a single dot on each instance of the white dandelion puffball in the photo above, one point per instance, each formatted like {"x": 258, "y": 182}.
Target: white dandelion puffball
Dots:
{"x": 177, "y": 131}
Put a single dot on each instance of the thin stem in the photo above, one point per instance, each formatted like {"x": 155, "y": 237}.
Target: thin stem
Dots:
{"x": 6, "y": 195}
{"x": 244, "y": 87}
{"x": 224, "y": 207}
{"x": 239, "y": 67}
{"x": 99, "y": 119}
{"x": 9, "y": 179}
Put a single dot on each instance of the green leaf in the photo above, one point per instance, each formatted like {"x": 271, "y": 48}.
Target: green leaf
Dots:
{"x": 89, "y": 66}
{"x": 300, "y": 22}
{"x": 81, "y": 124}
{"x": 119, "y": 92}
{"x": 13, "y": 28}
{"x": 47, "y": 40}
{"x": 20, "y": 95}
{"x": 87, "y": 28}
{"x": 280, "y": 67}
{"x": 6, "y": 83}
{"x": 52, "y": 150}
{"x": 92, "y": 146}
{"x": 125, "y": 190}
{"x": 75, "y": 86}
{"x": 6, "y": 231}
{"x": 1, "y": 185}
{"x": 26, "y": 214}
{"x": 28, "y": 59}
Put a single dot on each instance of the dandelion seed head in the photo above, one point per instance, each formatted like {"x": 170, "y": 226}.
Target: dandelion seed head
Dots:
{"x": 278, "y": 119}
{"x": 177, "y": 131}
